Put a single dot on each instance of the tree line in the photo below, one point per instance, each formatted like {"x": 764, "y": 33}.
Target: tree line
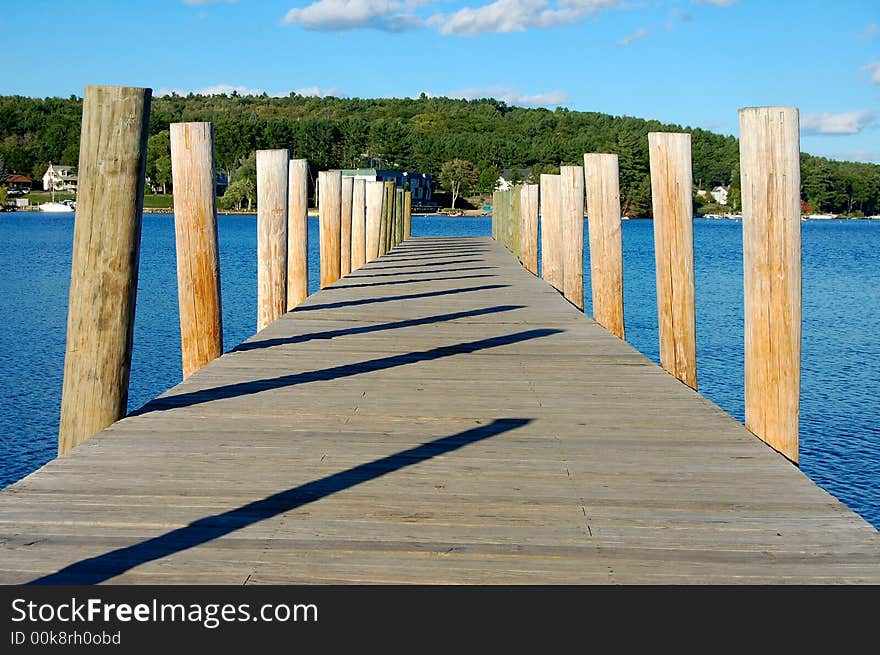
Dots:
{"x": 420, "y": 134}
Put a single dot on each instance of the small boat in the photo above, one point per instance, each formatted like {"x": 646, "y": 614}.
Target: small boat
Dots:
{"x": 66, "y": 207}
{"x": 455, "y": 214}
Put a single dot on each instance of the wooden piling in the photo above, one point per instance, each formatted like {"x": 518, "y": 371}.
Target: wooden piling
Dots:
{"x": 551, "y": 231}
{"x": 671, "y": 190}
{"x": 375, "y": 210}
{"x": 330, "y": 224}
{"x": 496, "y": 211}
{"x": 198, "y": 256}
{"x": 272, "y": 166}
{"x": 297, "y": 233}
{"x": 572, "y": 213}
{"x": 388, "y": 218}
{"x": 407, "y": 216}
{"x": 399, "y": 199}
{"x": 104, "y": 267}
{"x": 529, "y": 227}
{"x": 770, "y": 172}
{"x": 358, "y": 224}
{"x": 345, "y": 227}
{"x": 602, "y": 181}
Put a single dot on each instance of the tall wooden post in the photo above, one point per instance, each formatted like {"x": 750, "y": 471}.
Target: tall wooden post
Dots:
{"x": 407, "y": 216}
{"x": 770, "y": 170}
{"x": 375, "y": 211}
{"x": 345, "y": 227}
{"x": 198, "y": 256}
{"x": 399, "y": 199}
{"x": 602, "y": 177}
{"x": 298, "y": 233}
{"x": 104, "y": 270}
{"x": 572, "y": 210}
{"x": 330, "y": 222}
{"x": 358, "y": 224}
{"x": 529, "y": 227}
{"x": 671, "y": 190}
{"x": 271, "y": 235}
{"x": 551, "y": 231}
{"x": 496, "y": 214}
{"x": 388, "y": 218}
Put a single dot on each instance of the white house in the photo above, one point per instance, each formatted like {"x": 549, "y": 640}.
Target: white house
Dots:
{"x": 720, "y": 194}
{"x": 59, "y": 178}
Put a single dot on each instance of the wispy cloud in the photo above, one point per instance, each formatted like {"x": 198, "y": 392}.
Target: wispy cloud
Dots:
{"x": 871, "y": 156}
{"x": 640, "y": 33}
{"x": 873, "y": 70}
{"x": 339, "y": 15}
{"x": 849, "y": 122}
{"x": 518, "y": 15}
{"x": 717, "y": 3}
{"x": 509, "y": 96}
{"x": 870, "y": 31}
{"x": 229, "y": 89}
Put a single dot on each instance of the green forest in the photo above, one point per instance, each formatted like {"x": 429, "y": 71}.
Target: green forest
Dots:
{"x": 420, "y": 134}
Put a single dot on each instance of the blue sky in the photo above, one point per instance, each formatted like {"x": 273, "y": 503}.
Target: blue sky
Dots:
{"x": 691, "y": 62}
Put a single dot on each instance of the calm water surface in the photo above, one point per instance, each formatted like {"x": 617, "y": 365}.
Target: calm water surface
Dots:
{"x": 840, "y": 402}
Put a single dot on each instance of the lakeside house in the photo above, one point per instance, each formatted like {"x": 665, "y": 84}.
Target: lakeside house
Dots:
{"x": 18, "y": 185}
{"x": 221, "y": 182}
{"x": 509, "y": 178}
{"x": 718, "y": 194}
{"x": 421, "y": 185}
{"x": 59, "y": 178}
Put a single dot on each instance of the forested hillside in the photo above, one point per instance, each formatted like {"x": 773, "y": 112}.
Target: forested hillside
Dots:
{"x": 417, "y": 134}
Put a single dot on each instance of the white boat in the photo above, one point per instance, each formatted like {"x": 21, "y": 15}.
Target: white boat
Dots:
{"x": 65, "y": 207}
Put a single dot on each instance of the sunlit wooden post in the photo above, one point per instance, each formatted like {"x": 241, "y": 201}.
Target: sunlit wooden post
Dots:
{"x": 272, "y": 166}
{"x": 198, "y": 254}
{"x": 770, "y": 170}
{"x": 104, "y": 267}
{"x": 345, "y": 227}
{"x": 399, "y": 200}
{"x": 407, "y": 216}
{"x": 375, "y": 210}
{"x": 298, "y": 233}
{"x": 551, "y": 231}
{"x": 330, "y": 222}
{"x": 602, "y": 177}
{"x": 529, "y": 227}
{"x": 496, "y": 215}
{"x": 572, "y": 211}
{"x": 358, "y": 224}
{"x": 516, "y": 220}
{"x": 388, "y": 217}
{"x": 671, "y": 190}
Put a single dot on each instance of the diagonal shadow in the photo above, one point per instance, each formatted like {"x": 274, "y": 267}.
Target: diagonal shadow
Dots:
{"x": 237, "y": 389}
{"x": 361, "y": 274}
{"x": 369, "y": 301}
{"x": 108, "y": 565}
{"x": 364, "y": 329}
{"x": 409, "y": 281}
{"x": 455, "y": 261}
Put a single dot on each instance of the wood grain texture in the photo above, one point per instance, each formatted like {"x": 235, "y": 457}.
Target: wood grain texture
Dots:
{"x": 365, "y": 438}
{"x": 104, "y": 268}
{"x": 770, "y": 171}
{"x": 297, "y": 232}
{"x": 407, "y": 216}
{"x": 552, "y": 250}
{"x": 375, "y": 210}
{"x": 358, "y": 224}
{"x": 529, "y": 227}
{"x": 602, "y": 181}
{"x": 198, "y": 254}
{"x": 572, "y": 217}
{"x": 671, "y": 190}
{"x": 330, "y": 222}
{"x": 272, "y": 167}
{"x": 345, "y": 226}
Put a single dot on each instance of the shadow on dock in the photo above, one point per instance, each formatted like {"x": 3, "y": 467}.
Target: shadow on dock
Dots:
{"x": 101, "y": 568}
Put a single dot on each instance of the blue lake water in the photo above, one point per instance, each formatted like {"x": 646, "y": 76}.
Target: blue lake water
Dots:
{"x": 840, "y": 397}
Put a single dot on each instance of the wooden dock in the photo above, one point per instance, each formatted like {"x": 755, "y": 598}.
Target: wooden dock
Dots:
{"x": 438, "y": 416}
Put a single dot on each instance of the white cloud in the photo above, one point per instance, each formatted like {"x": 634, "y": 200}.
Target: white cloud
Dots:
{"x": 717, "y": 3}
{"x": 869, "y": 156}
{"x": 870, "y": 31}
{"x": 517, "y": 15}
{"x": 874, "y": 69}
{"x": 338, "y": 15}
{"x": 850, "y": 122}
{"x": 509, "y": 96}
{"x": 228, "y": 89}
{"x": 640, "y": 33}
